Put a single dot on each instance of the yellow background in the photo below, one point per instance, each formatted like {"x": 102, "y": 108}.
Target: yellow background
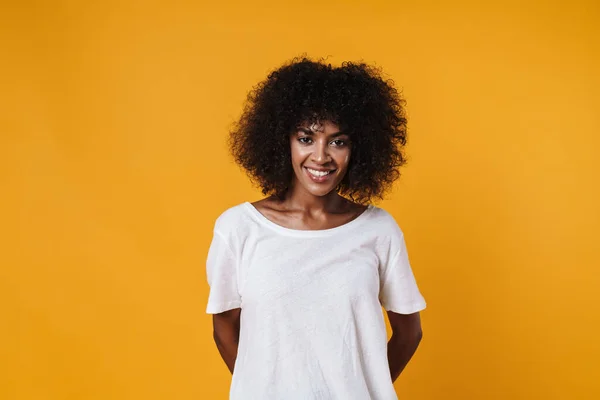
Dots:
{"x": 113, "y": 167}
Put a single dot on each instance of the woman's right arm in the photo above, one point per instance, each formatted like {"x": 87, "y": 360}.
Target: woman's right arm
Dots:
{"x": 226, "y": 332}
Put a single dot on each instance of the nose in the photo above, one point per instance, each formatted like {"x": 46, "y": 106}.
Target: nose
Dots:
{"x": 321, "y": 153}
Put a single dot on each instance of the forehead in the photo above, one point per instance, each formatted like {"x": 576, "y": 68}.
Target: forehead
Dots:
{"x": 323, "y": 126}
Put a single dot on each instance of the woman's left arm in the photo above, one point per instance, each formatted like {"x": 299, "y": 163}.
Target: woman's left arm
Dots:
{"x": 406, "y": 336}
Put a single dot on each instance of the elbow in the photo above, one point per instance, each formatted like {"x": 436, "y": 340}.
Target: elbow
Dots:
{"x": 413, "y": 336}
{"x": 418, "y": 335}
{"x": 220, "y": 337}
{"x": 216, "y": 337}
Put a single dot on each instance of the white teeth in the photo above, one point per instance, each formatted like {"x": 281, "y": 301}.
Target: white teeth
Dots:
{"x": 318, "y": 173}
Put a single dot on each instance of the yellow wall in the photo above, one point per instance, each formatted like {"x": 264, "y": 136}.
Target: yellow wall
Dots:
{"x": 113, "y": 168}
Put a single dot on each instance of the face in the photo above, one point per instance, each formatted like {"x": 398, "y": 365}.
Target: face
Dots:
{"x": 320, "y": 156}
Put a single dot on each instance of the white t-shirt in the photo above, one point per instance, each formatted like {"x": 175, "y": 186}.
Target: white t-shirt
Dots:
{"x": 311, "y": 327}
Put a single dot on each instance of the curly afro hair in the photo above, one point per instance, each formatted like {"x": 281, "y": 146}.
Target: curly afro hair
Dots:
{"x": 354, "y": 96}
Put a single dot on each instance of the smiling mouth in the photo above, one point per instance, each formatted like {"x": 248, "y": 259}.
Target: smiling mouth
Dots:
{"x": 319, "y": 176}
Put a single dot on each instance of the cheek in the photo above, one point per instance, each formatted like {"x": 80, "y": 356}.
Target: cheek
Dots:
{"x": 344, "y": 159}
{"x": 294, "y": 152}
{"x": 298, "y": 154}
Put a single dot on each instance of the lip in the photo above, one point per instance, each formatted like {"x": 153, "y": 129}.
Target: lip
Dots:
{"x": 321, "y": 169}
{"x": 319, "y": 179}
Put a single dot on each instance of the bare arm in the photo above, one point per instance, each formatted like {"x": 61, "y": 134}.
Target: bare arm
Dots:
{"x": 406, "y": 336}
{"x": 226, "y": 332}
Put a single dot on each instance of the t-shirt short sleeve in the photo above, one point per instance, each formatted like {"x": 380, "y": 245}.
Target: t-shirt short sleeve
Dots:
{"x": 221, "y": 271}
{"x": 399, "y": 292}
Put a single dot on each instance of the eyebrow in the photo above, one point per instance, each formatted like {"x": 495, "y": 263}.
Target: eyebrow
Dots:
{"x": 309, "y": 132}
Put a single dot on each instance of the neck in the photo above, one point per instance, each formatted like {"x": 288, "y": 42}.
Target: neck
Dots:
{"x": 298, "y": 198}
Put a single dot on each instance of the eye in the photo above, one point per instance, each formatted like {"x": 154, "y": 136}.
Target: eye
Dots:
{"x": 305, "y": 140}
{"x": 339, "y": 142}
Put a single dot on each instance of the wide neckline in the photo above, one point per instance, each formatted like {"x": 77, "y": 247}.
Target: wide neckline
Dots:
{"x": 305, "y": 232}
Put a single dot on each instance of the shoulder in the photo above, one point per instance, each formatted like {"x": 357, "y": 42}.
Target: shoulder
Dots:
{"x": 390, "y": 239}
{"x": 385, "y": 222}
{"x": 230, "y": 219}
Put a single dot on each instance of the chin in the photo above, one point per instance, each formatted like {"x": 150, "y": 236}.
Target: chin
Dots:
{"x": 319, "y": 191}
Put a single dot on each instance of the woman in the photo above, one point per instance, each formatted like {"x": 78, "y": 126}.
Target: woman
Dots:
{"x": 297, "y": 279}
